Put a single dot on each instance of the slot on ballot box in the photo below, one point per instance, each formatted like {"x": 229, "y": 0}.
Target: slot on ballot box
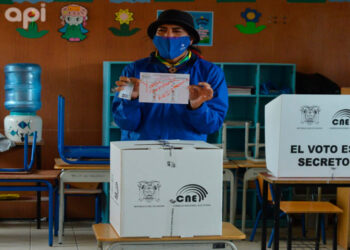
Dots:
{"x": 166, "y": 188}
{"x": 308, "y": 136}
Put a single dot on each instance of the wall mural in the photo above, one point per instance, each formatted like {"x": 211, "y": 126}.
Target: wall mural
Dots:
{"x": 36, "y": 1}
{"x": 251, "y": 17}
{"x": 124, "y": 17}
{"x": 278, "y": 19}
{"x": 74, "y": 19}
{"x": 130, "y": 1}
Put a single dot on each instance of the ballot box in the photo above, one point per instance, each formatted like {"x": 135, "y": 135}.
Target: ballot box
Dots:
{"x": 166, "y": 188}
{"x": 308, "y": 136}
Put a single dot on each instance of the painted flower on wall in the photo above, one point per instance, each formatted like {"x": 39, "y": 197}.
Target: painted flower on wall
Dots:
{"x": 124, "y": 17}
{"x": 251, "y": 17}
{"x": 32, "y": 30}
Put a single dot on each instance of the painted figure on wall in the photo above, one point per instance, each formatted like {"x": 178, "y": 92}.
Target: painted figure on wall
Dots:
{"x": 74, "y": 19}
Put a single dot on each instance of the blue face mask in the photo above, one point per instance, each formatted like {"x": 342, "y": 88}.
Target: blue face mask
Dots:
{"x": 171, "y": 47}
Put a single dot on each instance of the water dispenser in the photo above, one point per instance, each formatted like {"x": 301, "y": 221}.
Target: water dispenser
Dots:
{"x": 22, "y": 99}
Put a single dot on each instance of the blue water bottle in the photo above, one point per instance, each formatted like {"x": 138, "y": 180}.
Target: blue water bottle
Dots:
{"x": 22, "y": 87}
{"x": 22, "y": 99}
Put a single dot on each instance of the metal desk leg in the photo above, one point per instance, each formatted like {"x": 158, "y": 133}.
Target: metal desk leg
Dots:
{"x": 105, "y": 207}
{"x": 264, "y": 209}
{"x": 38, "y": 194}
{"x": 335, "y": 232}
{"x": 224, "y": 193}
{"x": 289, "y": 238}
{"x": 276, "y": 215}
{"x": 50, "y": 213}
{"x": 56, "y": 212}
{"x": 99, "y": 245}
{"x": 250, "y": 174}
{"x": 228, "y": 176}
{"x": 61, "y": 208}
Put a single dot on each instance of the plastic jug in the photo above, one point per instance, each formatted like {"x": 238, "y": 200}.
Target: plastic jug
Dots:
{"x": 22, "y": 87}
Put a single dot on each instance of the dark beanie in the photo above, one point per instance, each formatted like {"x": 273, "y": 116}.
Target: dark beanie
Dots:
{"x": 177, "y": 17}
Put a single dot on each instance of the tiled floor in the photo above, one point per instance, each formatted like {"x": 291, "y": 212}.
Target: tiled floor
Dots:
{"x": 23, "y": 235}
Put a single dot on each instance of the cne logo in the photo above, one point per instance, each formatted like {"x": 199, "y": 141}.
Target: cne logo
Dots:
{"x": 341, "y": 118}
{"x": 191, "y": 193}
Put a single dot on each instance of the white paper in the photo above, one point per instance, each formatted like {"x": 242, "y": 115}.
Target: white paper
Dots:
{"x": 126, "y": 92}
{"x": 164, "y": 88}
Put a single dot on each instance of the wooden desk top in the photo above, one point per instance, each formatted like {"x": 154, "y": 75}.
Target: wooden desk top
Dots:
{"x": 230, "y": 165}
{"x": 106, "y": 233}
{"x": 60, "y": 164}
{"x": 307, "y": 180}
{"x": 250, "y": 164}
{"x": 35, "y": 174}
{"x": 309, "y": 207}
{"x": 38, "y": 143}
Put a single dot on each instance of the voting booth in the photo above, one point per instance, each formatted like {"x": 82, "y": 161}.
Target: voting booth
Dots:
{"x": 308, "y": 136}
{"x": 166, "y": 188}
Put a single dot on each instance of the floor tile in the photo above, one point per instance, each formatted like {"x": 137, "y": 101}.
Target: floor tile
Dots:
{"x": 23, "y": 235}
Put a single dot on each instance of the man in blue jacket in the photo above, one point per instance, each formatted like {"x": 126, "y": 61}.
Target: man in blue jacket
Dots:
{"x": 173, "y": 35}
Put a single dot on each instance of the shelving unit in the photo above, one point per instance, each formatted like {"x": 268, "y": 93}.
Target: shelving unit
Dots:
{"x": 242, "y": 107}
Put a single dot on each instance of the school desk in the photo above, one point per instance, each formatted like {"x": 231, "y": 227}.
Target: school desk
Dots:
{"x": 278, "y": 183}
{"x": 252, "y": 169}
{"x": 105, "y": 233}
{"x": 89, "y": 173}
{"x": 44, "y": 177}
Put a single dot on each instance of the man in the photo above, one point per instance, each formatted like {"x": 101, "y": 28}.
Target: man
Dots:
{"x": 173, "y": 35}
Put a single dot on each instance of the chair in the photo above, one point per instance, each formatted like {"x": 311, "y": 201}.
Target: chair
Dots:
{"x": 26, "y": 167}
{"x": 271, "y": 199}
{"x": 228, "y": 177}
{"x": 79, "y": 191}
{"x": 78, "y": 154}
{"x": 256, "y": 145}
{"x": 311, "y": 207}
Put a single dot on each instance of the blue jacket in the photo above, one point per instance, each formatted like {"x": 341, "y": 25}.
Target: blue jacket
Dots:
{"x": 154, "y": 121}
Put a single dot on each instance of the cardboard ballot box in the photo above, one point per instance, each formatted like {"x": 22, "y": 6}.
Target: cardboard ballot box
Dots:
{"x": 308, "y": 136}
{"x": 166, "y": 188}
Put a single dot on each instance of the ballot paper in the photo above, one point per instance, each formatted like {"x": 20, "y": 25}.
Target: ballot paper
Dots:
{"x": 164, "y": 88}
{"x": 126, "y": 92}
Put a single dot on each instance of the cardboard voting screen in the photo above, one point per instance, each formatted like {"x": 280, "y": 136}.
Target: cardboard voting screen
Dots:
{"x": 164, "y": 88}
{"x": 308, "y": 136}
